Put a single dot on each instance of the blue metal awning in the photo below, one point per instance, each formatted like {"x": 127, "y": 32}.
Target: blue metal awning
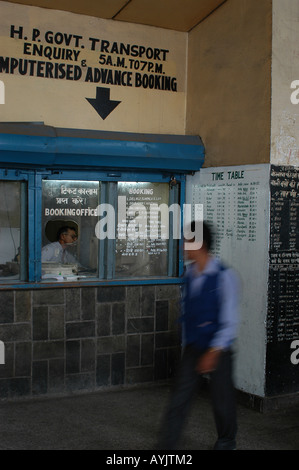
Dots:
{"x": 40, "y": 146}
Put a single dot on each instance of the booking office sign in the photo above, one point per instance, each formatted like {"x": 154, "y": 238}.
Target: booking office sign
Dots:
{"x": 99, "y": 74}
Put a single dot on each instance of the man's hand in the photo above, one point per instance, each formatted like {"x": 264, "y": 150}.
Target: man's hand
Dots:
{"x": 208, "y": 361}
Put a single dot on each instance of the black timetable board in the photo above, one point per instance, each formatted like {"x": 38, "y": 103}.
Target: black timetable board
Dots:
{"x": 282, "y": 376}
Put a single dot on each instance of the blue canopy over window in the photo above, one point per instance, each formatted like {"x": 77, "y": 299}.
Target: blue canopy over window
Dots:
{"x": 40, "y": 146}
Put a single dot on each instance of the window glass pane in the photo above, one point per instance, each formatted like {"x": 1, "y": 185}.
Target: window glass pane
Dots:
{"x": 142, "y": 237}
{"x": 69, "y": 217}
{"x": 10, "y": 230}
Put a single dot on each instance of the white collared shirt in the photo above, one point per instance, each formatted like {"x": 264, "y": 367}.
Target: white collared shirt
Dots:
{"x": 57, "y": 254}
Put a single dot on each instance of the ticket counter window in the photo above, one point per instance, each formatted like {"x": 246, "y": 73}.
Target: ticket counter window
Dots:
{"x": 69, "y": 218}
{"x": 144, "y": 239}
{"x": 10, "y": 230}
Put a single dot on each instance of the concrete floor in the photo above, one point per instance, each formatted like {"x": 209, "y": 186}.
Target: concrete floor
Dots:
{"x": 128, "y": 419}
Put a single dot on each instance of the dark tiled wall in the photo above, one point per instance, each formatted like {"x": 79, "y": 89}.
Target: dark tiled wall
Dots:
{"x": 66, "y": 340}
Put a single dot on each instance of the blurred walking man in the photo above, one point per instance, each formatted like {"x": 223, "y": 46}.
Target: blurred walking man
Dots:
{"x": 209, "y": 325}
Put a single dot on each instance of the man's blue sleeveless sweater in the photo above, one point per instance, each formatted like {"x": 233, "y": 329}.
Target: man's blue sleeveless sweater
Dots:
{"x": 201, "y": 311}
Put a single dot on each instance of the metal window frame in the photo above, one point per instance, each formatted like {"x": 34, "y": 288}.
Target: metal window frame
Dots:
{"x": 106, "y": 258}
{"x": 31, "y": 221}
{"x": 33, "y": 151}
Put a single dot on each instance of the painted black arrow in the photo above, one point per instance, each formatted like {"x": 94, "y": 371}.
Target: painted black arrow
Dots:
{"x": 102, "y": 103}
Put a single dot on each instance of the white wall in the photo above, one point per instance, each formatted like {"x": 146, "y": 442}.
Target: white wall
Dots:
{"x": 285, "y": 70}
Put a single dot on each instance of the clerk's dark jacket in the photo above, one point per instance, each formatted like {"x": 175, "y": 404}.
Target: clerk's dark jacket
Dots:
{"x": 210, "y": 306}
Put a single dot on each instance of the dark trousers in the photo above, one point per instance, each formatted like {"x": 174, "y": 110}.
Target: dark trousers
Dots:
{"x": 222, "y": 396}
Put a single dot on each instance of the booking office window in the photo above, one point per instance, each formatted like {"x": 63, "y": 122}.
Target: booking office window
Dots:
{"x": 69, "y": 206}
{"x": 124, "y": 229}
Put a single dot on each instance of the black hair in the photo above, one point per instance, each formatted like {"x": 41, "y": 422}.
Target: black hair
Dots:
{"x": 207, "y": 235}
{"x": 64, "y": 229}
